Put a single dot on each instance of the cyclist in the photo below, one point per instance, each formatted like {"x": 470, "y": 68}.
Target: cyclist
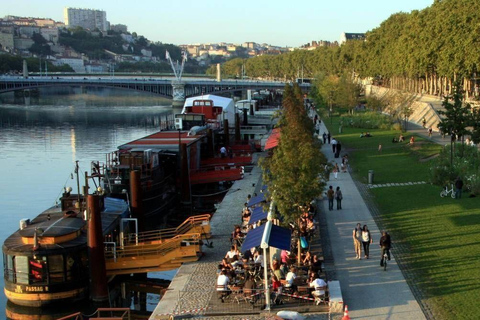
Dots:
{"x": 385, "y": 244}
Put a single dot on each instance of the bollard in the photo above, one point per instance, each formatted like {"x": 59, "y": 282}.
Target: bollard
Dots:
{"x": 370, "y": 176}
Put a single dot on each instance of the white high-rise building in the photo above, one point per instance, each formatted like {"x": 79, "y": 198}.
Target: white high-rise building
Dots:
{"x": 85, "y": 18}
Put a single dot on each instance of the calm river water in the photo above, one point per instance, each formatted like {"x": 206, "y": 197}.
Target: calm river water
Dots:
{"x": 42, "y": 137}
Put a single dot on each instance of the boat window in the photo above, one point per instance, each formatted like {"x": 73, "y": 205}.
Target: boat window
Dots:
{"x": 21, "y": 269}
{"x": 55, "y": 268}
{"x": 9, "y": 268}
{"x": 38, "y": 270}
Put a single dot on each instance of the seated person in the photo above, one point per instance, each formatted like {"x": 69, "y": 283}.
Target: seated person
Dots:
{"x": 249, "y": 286}
{"x": 237, "y": 236}
{"x": 222, "y": 286}
{"x": 401, "y": 138}
{"x": 362, "y": 135}
{"x": 394, "y": 140}
{"x": 412, "y": 140}
{"x": 246, "y": 214}
{"x": 248, "y": 255}
{"x": 225, "y": 265}
{"x": 310, "y": 225}
{"x": 308, "y": 259}
{"x": 233, "y": 253}
{"x": 319, "y": 292}
{"x": 258, "y": 258}
{"x": 316, "y": 264}
{"x": 368, "y": 135}
{"x": 290, "y": 278}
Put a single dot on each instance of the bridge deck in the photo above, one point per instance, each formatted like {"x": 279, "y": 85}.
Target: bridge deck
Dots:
{"x": 158, "y": 86}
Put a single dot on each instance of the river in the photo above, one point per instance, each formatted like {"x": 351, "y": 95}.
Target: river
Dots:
{"x": 42, "y": 137}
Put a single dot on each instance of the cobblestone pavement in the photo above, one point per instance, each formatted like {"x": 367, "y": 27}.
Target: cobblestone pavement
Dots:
{"x": 195, "y": 290}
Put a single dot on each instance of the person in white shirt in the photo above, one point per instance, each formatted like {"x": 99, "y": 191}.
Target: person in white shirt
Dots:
{"x": 258, "y": 258}
{"x": 222, "y": 285}
{"x": 290, "y": 278}
{"x": 223, "y": 152}
{"x": 319, "y": 292}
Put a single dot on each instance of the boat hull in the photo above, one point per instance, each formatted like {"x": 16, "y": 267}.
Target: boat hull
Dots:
{"x": 40, "y": 299}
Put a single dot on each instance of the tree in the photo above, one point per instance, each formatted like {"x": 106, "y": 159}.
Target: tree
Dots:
{"x": 456, "y": 118}
{"x": 40, "y": 45}
{"x": 292, "y": 173}
{"x": 348, "y": 93}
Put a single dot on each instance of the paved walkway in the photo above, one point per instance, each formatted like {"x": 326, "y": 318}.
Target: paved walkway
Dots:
{"x": 369, "y": 292}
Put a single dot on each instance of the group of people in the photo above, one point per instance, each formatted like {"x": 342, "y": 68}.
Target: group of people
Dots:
{"x": 244, "y": 271}
{"x": 334, "y": 195}
{"x": 365, "y": 135}
{"x": 363, "y": 238}
{"x": 401, "y": 138}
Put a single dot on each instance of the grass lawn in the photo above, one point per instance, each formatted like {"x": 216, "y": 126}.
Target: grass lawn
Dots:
{"x": 441, "y": 234}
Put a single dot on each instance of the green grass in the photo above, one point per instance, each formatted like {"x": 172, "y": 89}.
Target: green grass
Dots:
{"x": 441, "y": 234}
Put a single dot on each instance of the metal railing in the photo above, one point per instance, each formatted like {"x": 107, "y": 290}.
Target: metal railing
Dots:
{"x": 192, "y": 223}
{"x": 156, "y": 249}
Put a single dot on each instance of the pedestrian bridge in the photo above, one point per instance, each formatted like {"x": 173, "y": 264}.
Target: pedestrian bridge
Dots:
{"x": 162, "y": 87}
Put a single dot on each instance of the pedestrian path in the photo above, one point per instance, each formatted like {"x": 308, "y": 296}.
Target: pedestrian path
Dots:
{"x": 369, "y": 292}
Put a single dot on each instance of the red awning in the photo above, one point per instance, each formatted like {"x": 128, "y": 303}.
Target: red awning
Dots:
{"x": 273, "y": 139}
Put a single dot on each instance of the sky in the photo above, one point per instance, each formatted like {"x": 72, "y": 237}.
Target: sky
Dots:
{"x": 275, "y": 22}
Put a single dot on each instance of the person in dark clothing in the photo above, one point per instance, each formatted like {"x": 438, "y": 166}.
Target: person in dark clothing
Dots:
{"x": 324, "y": 138}
{"x": 330, "y": 196}
{"x": 328, "y": 137}
{"x": 385, "y": 244}
{"x": 338, "y": 149}
{"x": 458, "y": 188}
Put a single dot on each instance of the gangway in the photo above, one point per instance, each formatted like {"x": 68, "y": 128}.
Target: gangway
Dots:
{"x": 166, "y": 255}
{"x": 159, "y": 250}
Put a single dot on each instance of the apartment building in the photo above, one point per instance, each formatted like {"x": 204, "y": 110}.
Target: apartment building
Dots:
{"x": 86, "y": 18}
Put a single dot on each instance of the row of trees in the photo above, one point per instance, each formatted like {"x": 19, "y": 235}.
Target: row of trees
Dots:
{"x": 293, "y": 172}
{"x": 424, "y": 51}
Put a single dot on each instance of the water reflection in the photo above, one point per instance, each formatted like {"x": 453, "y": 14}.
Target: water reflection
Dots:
{"x": 42, "y": 136}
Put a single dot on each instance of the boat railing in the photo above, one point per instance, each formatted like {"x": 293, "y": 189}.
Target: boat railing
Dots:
{"x": 199, "y": 223}
{"x": 155, "y": 249}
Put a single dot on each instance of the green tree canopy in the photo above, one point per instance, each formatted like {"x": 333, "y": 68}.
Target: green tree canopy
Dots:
{"x": 292, "y": 173}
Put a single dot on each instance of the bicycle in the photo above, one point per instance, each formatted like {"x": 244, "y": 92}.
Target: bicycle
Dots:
{"x": 384, "y": 260}
{"x": 444, "y": 193}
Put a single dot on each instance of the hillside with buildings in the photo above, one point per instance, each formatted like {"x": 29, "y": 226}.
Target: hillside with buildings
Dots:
{"x": 88, "y": 43}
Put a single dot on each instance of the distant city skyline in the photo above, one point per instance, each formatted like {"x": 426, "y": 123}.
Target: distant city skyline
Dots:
{"x": 213, "y": 21}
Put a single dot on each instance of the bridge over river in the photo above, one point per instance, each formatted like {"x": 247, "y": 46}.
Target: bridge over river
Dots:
{"x": 178, "y": 90}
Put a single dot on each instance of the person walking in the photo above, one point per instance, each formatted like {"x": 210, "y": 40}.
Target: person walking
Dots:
{"x": 334, "y": 145}
{"x": 357, "y": 238}
{"x": 330, "y": 195}
{"x": 338, "y": 149}
{"x": 328, "y": 137}
{"x": 335, "y": 171}
{"x": 458, "y": 188}
{"x": 385, "y": 245}
{"x": 366, "y": 241}
{"x": 339, "y": 197}
{"x": 324, "y": 138}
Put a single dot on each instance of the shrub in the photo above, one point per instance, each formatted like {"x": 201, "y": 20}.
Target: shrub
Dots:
{"x": 368, "y": 120}
{"x": 466, "y": 161}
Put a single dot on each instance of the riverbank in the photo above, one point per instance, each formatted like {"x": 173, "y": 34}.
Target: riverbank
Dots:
{"x": 193, "y": 285}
